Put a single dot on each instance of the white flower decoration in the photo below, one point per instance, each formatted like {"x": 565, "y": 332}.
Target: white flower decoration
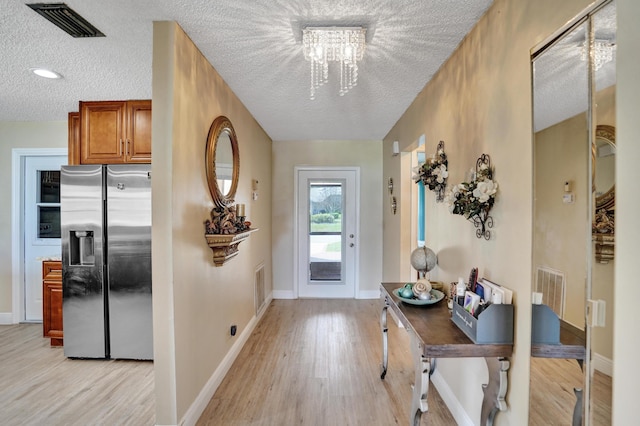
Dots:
{"x": 484, "y": 190}
{"x": 441, "y": 173}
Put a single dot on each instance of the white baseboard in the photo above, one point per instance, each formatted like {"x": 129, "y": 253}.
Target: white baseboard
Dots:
{"x": 369, "y": 294}
{"x": 200, "y": 403}
{"x": 602, "y": 364}
{"x": 289, "y": 294}
{"x": 6, "y": 318}
{"x": 457, "y": 411}
{"x": 283, "y": 294}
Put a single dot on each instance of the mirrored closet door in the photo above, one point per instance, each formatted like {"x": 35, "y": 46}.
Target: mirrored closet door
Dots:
{"x": 573, "y": 222}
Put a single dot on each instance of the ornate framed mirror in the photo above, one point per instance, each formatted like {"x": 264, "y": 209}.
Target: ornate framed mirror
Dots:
{"x": 604, "y": 172}
{"x": 222, "y": 161}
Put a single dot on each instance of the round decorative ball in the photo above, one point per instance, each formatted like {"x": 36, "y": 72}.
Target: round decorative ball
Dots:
{"x": 423, "y": 259}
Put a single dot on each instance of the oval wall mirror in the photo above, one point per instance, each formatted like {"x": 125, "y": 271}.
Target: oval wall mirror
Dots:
{"x": 222, "y": 161}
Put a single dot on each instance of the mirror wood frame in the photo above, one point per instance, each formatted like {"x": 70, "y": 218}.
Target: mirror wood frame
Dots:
{"x": 606, "y": 201}
{"x": 221, "y": 124}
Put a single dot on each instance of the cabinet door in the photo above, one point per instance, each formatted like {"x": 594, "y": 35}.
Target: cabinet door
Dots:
{"x": 52, "y": 302}
{"x": 138, "y": 144}
{"x": 102, "y": 132}
{"x": 74, "y": 138}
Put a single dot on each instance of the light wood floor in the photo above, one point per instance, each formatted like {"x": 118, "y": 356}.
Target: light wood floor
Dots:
{"x": 39, "y": 386}
{"x": 317, "y": 362}
{"x": 313, "y": 362}
{"x": 552, "y": 398}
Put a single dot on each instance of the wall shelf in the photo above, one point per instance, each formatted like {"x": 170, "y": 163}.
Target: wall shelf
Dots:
{"x": 225, "y": 246}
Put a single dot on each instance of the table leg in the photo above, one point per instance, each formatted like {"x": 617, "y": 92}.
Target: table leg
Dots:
{"x": 495, "y": 390}
{"x": 422, "y": 367}
{"x": 577, "y": 410}
{"x": 385, "y": 343}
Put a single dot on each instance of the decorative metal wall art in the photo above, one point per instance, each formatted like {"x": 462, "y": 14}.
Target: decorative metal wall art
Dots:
{"x": 434, "y": 172}
{"x": 474, "y": 199}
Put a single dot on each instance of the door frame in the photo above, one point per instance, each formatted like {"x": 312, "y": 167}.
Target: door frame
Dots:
{"x": 18, "y": 158}
{"x": 296, "y": 224}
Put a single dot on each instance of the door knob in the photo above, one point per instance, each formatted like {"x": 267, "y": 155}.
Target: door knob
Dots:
{"x": 351, "y": 245}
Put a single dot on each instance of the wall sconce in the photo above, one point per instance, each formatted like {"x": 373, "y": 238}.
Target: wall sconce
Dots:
{"x": 396, "y": 148}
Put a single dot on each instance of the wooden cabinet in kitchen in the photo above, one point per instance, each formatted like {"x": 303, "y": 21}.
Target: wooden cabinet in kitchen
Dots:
{"x": 113, "y": 132}
{"x": 74, "y": 138}
{"x": 52, "y": 301}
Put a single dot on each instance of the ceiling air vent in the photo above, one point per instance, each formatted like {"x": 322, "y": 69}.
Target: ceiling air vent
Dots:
{"x": 66, "y": 19}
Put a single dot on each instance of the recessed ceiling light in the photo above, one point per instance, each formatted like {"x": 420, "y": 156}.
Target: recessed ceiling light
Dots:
{"x": 43, "y": 72}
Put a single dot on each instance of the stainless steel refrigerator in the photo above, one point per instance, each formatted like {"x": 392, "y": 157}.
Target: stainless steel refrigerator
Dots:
{"x": 105, "y": 214}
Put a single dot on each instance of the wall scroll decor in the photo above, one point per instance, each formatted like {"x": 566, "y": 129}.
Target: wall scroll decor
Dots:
{"x": 474, "y": 199}
{"x": 434, "y": 172}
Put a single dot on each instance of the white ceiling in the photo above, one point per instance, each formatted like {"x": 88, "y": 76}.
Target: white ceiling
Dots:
{"x": 560, "y": 75}
{"x": 255, "y": 46}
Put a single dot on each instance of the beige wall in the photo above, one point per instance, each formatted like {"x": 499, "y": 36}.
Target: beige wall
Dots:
{"x": 626, "y": 374}
{"x": 480, "y": 102}
{"x": 195, "y": 302}
{"x": 363, "y": 154}
{"x": 561, "y": 154}
{"x": 603, "y": 273}
{"x": 50, "y": 134}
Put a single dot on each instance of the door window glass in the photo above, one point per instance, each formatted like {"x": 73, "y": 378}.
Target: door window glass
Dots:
{"x": 48, "y": 204}
{"x": 325, "y": 231}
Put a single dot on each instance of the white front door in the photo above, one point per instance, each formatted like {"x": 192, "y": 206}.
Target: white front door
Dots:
{"x": 327, "y": 232}
{"x": 41, "y": 225}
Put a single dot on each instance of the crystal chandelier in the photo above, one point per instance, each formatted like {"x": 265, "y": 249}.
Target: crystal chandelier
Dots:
{"x": 602, "y": 52}
{"x": 333, "y": 44}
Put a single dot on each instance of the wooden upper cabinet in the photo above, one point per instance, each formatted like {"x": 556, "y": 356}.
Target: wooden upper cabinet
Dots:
{"x": 113, "y": 132}
{"x": 74, "y": 138}
{"x": 138, "y": 149}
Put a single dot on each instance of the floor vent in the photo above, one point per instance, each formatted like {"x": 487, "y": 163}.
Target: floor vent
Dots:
{"x": 260, "y": 295}
{"x": 550, "y": 283}
{"x": 66, "y": 19}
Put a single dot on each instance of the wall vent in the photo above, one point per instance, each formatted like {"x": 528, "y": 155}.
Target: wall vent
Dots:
{"x": 260, "y": 295}
{"x": 551, "y": 284}
{"x": 66, "y": 19}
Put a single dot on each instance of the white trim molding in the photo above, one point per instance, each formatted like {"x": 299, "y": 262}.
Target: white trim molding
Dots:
{"x": 451, "y": 401}
{"x": 17, "y": 264}
{"x": 6, "y": 318}
{"x": 202, "y": 400}
{"x": 602, "y": 364}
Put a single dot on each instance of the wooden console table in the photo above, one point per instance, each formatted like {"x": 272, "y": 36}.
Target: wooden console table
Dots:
{"x": 434, "y": 335}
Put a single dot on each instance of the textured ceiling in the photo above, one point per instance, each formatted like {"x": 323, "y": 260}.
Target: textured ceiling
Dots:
{"x": 561, "y": 87}
{"x": 254, "y": 45}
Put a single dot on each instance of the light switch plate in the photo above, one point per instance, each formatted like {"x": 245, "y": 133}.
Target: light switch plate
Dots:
{"x": 596, "y": 311}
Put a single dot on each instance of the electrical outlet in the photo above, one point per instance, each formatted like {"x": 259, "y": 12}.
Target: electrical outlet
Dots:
{"x": 234, "y": 329}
